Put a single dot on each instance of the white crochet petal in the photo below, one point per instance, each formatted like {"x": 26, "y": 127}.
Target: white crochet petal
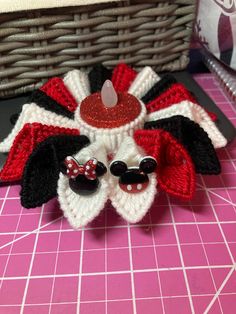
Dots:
{"x": 132, "y": 206}
{"x": 195, "y": 113}
{"x": 144, "y": 81}
{"x": 81, "y": 209}
{"x": 32, "y": 113}
{"x": 78, "y": 209}
{"x": 78, "y": 84}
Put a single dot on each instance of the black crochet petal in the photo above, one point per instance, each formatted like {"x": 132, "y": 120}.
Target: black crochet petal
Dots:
{"x": 97, "y": 76}
{"x": 165, "y": 82}
{"x": 41, "y": 173}
{"x": 46, "y": 102}
{"x": 194, "y": 139}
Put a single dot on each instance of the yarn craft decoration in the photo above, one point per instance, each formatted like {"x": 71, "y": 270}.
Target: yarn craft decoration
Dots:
{"x": 115, "y": 135}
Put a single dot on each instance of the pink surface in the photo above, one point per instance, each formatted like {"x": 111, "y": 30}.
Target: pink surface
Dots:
{"x": 180, "y": 259}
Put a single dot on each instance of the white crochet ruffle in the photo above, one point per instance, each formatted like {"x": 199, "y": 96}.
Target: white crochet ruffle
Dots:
{"x": 195, "y": 113}
{"x": 132, "y": 207}
{"x": 144, "y": 81}
{"x": 32, "y": 113}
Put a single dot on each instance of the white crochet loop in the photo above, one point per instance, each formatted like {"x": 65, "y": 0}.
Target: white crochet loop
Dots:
{"x": 78, "y": 84}
{"x": 80, "y": 209}
{"x": 144, "y": 81}
{"x": 32, "y": 113}
{"x": 111, "y": 138}
{"x": 132, "y": 207}
{"x": 195, "y": 113}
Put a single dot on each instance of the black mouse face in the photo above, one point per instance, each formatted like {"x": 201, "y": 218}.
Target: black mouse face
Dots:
{"x": 83, "y": 186}
{"x": 133, "y": 179}
{"x": 83, "y": 178}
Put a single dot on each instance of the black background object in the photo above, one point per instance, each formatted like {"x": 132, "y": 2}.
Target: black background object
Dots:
{"x": 8, "y": 107}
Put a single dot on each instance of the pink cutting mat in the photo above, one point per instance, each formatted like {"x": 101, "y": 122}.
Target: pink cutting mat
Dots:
{"x": 180, "y": 259}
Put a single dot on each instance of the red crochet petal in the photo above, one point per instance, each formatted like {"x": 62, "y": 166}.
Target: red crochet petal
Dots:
{"x": 24, "y": 144}
{"x": 175, "y": 171}
{"x": 174, "y": 95}
{"x": 122, "y": 77}
{"x": 56, "y": 89}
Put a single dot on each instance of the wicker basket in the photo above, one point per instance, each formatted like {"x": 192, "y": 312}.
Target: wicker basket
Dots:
{"x": 43, "y": 43}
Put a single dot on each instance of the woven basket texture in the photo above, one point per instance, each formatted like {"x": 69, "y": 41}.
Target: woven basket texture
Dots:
{"x": 37, "y": 45}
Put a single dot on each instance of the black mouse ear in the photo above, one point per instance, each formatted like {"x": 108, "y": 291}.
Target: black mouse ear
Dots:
{"x": 101, "y": 169}
{"x": 41, "y": 173}
{"x": 118, "y": 167}
{"x": 148, "y": 164}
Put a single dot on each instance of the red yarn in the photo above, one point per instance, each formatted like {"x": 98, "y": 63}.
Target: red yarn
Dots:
{"x": 175, "y": 170}
{"x": 56, "y": 89}
{"x": 24, "y": 144}
{"x": 122, "y": 77}
{"x": 174, "y": 95}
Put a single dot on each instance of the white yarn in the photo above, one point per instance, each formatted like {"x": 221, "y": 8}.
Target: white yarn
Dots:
{"x": 32, "y": 113}
{"x": 78, "y": 84}
{"x": 195, "y": 113}
{"x": 144, "y": 81}
{"x": 132, "y": 207}
{"x": 112, "y": 138}
{"x": 80, "y": 209}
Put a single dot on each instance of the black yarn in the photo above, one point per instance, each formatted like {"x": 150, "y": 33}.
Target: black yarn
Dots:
{"x": 46, "y": 102}
{"x": 165, "y": 82}
{"x": 97, "y": 76}
{"x": 13, "y": 118}
{"x": 194, "y": 139}
{"x": 41, "y": 173}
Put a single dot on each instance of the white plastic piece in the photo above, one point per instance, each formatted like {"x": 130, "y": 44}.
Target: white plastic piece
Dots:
{"x": 108, "y": 94}
{"x": 78, "y": 84}
{"x": 80, "y": 209}
{"x": 144, "y": 81}
{"x": 132, "y": 207}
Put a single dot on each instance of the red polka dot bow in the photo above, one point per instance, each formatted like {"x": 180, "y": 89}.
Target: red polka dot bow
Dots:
{"x": 74, "y": 168}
